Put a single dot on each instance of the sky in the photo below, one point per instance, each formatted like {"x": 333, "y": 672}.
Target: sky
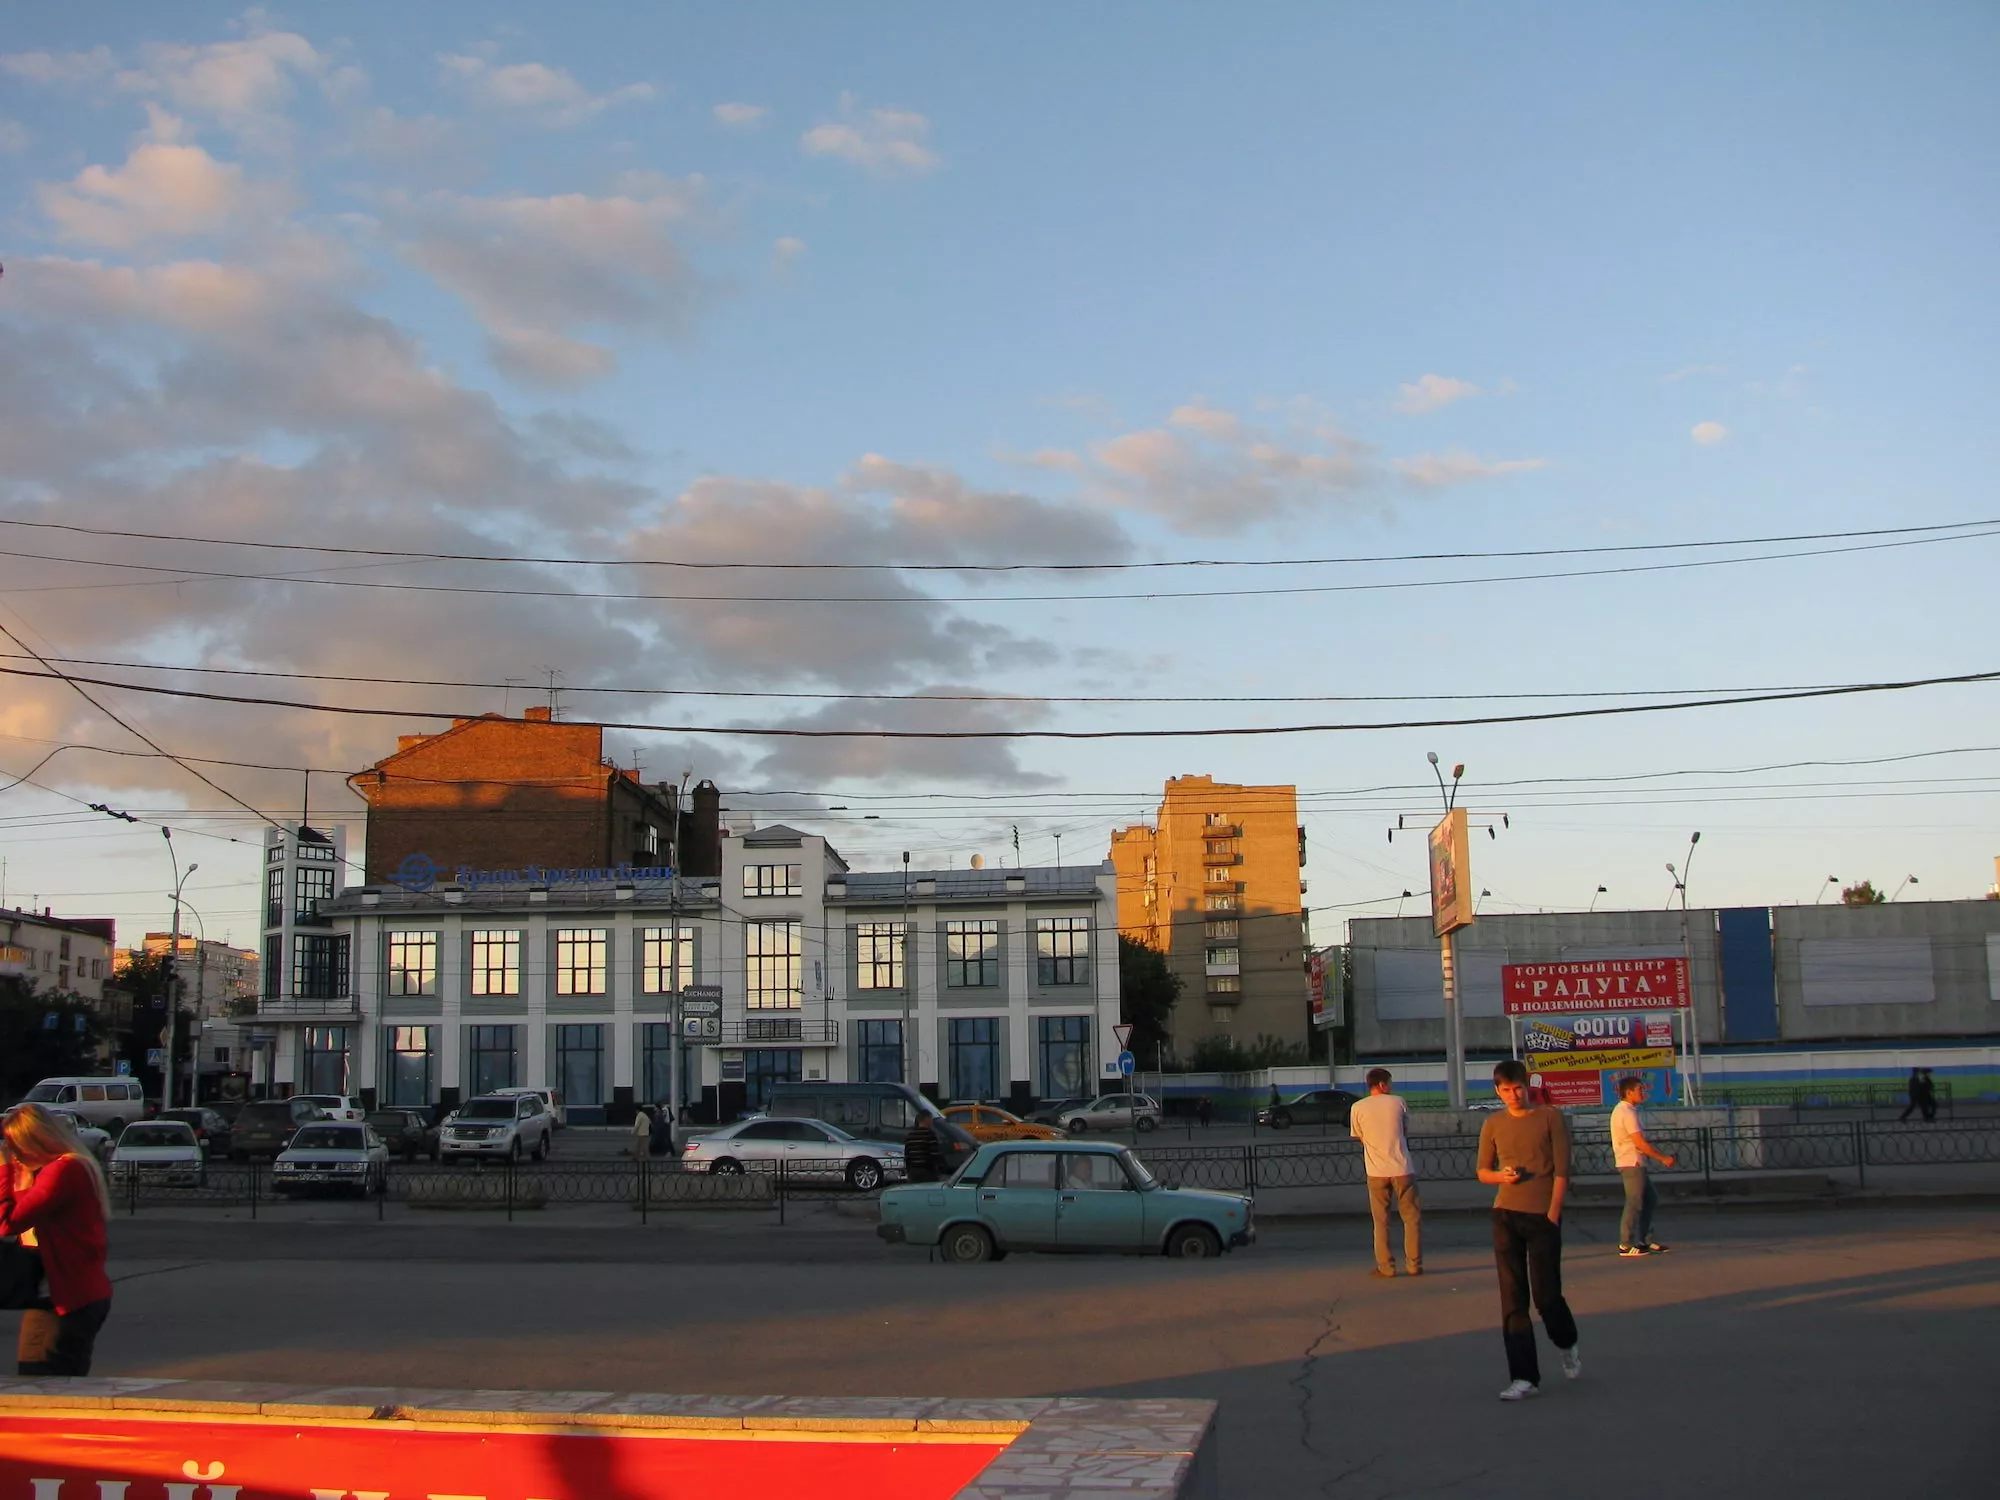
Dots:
{"x": 944, "y": 293}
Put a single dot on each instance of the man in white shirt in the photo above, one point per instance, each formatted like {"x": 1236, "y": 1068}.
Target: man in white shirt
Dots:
{"x": 1381, "y": 1123}
{"x": 1629, "y": 1152}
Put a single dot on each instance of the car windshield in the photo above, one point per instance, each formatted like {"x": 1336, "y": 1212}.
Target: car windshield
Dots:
{"x": 326, "y": 1138}
{"x": 1140, "y": 1173}
{"x": 488, "y": 1109}
{"x": 382, "y": 1121}
{"x": 185, "y": 1116}
{"x": 265, "y": 1114}
{"x": 156, "y": 1135}
{"x": 44, "y": 1093}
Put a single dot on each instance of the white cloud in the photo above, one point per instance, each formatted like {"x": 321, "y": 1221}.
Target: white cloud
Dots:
{"x": 552, "y": 95}
{"x": 13, "y": 137}
{"x": 787, "y": 249}
{"x": 1207, "y": 420}
{"x": 742, "y": 116}
{"x": 1689, "y": 372}
{"x": 1430, "y": 471}
{"x": 59, "y": 67}
{"x": 164, "y": 191}
{"x": 885, "y": 141}
{"x": 242, "y": 82}
{"x": 539, "y": 271}
{"x": 1708, "y": 434}
{"x": 1429, "y": 392}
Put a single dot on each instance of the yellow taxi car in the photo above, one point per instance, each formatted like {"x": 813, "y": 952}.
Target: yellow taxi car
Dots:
{"x": 988, "y": 1122}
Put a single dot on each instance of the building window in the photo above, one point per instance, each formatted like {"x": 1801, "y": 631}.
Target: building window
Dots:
{"x": 1216, "y": 902}
{"x": 1221, "y": 874}
{"x": 1217, "y": 820}
{"x": 62, "y": 946}
{"x": 580, "y": 960}
{"x": 1063, "y": 1044}
{"x": 319, "y": 968}
{"x": 494, "y": 1058}
{"x": 974, "y": 1046}
{"x": 1221, "y": 846}
{"x": 325, "y": 1049}
{"x": 274, "y": 896}
{"x": 496, "y": 963}
{"x": 313, "y": 884}
{"x": 878, "y": 956}
{"x": 972, "y": 954}
{"x": 1225, "y": 984}
{"x": 411, "y": 1061}
{"x": 765, "y": 1066}
{"x": 274, "y": 967}
{"x": 656, "y": 1062}
{"x": 771, "y": 880}
{"x": 1229, "y": 929}
{"x": 413, "y": 963}
{"x": 579, "y": 1064}
{"x": 1225, "y": 957}
{"x": 771, "y": 956}
{"x": 1062, "y": 950}
{"x": 658, "y": 960}
{"x": 878, "y": 1047}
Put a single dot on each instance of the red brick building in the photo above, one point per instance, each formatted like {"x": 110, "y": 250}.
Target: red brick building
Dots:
{"x": 495, "y": 793}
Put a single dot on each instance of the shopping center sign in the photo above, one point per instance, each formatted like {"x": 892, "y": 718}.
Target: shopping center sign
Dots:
{"x": 1605, "y": 984}
{"x": 419, "y": 873}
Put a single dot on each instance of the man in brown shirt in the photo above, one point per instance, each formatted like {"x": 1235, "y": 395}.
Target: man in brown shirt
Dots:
{"x": 1525, "y": 1153}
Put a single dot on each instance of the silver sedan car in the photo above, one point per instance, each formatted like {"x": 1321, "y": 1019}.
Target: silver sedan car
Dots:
{"x": 1115, "y": 1112}
{"x": 806, "y": 1147}
{"x": 332, "y": 1154}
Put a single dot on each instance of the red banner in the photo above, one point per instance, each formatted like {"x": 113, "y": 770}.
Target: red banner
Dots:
{"x": 76, "y": 1457}
{"x": 1568, "y": 989}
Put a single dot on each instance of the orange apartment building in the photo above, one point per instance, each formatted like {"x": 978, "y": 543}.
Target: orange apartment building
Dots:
{"x": 1214, "y": 884}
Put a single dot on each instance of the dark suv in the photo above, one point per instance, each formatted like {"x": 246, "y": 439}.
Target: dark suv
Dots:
{"x": 266, "y": 1126}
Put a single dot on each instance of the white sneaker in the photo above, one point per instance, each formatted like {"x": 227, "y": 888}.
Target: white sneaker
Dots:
{"x": 1520, "y": 1390}
{"x": 1573, "y": 1361}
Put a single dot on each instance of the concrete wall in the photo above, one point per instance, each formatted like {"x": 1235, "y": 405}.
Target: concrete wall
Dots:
{"x": 1907, "y": 969}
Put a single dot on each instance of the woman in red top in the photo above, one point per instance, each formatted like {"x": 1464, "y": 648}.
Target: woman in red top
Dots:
{"x": 52, "y": 1195}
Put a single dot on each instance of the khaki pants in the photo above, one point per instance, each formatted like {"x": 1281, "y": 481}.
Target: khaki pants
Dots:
{"x": 1402, "y": 1191}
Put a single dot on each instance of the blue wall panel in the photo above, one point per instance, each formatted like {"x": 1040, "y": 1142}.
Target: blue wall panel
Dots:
{"x": 1749, "y": 981}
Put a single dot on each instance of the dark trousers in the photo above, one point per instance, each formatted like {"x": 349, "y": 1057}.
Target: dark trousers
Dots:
{"x": 76, "y": 1339}
{"x": 1528, "y": 1249}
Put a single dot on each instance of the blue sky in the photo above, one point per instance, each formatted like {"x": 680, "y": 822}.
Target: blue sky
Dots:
{"x": 1033, "y": 284}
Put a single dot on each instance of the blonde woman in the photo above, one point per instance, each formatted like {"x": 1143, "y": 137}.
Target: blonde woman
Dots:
{"x": 52, "y": 1195}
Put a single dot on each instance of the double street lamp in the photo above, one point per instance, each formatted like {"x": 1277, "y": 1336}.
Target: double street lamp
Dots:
{"x": 173, "y": 974}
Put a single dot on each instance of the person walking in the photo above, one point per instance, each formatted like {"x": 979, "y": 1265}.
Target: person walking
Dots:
{"x": 52, "y": 1195}
{"x": 920, "y": 1152}
{"x": 1913, "y": 1091}
{"x": 642, "y": 1132}
{"x": 1204, "y": 1110}
{"x": 1381, "y": 1122}
{"x": 1927, "y": 1097}
{"x": 1524, "y": 1152}
{"x": 1630, "y": 1151}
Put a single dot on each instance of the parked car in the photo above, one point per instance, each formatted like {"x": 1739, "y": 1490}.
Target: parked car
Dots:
{"x": 407, "y": 1133}
{"x": 989, "y": 1122}
{"x": 332, "y": 1154}
{"x": 108, "y": 1103}
{"x": 96, "y": 1142}
{"x": 337, "y": 1106}
{"x": 807, "y": 1147}
{"x": 210, "y": 1128}
{"x": 1114, "y": 1112}
{"x": 159, "y": 1151}
{"x": 265, "y": 1127}
{"x": 508, "y": 1126}
{"x": 1053, "y": 1114}
{"x": 229, "y": 1109}
{"x": 1316, "y": 1107}
{"x": 1064, "y": 1195}
{"x": 869, "y": 1111}
{"x": 552, "y": 1102}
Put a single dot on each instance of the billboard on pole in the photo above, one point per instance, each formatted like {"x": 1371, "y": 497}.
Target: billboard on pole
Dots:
{"x": 1451, "y": 873}
{"x": 1324, "y": 985}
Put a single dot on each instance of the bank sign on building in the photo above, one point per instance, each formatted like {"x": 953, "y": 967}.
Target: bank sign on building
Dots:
{"x": 975, "y": 984}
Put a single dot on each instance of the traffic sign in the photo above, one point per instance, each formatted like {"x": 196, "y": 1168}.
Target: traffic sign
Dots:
{"x": 701, "y": 1000}
{"x": 1123, "y": 1031}
{"x": 1125, "y": 1063}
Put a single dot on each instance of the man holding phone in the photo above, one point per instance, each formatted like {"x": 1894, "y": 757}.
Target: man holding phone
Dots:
{"x": 1524, "y": 1152}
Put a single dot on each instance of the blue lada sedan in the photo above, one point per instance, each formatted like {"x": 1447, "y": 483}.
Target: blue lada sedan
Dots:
{"x": 1063, "y": 1195}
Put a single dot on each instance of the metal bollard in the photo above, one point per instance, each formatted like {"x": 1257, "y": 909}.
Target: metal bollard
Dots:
{"x": 1861, "y": 1154}
{"x": 1708, "y": 1158}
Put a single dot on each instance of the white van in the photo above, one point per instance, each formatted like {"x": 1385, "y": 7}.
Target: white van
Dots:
{"x": 108, "y": 1103}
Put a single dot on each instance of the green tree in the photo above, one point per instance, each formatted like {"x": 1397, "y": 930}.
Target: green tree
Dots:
{"x": 1148, "y": 990}
{"x": 43, "y": 1035}
{"x": 1863, "y": 894}
{"x": 1224, "y": 1054}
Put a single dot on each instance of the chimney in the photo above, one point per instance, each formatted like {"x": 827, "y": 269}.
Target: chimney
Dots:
{"x": 535, "y": 715}
{"x": 701, "y": 832}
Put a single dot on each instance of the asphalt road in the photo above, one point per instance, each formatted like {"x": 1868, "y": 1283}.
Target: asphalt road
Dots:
{"x": 1816, "y": 1352}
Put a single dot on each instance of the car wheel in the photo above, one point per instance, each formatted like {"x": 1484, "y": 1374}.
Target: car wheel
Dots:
{"x": 514, "y": 1151}
{"x": 727, "y": 1166}
{"x": 1194, "y": 1242}
{"x": 542, "y": 1148}
{"x": 1281, "y": 1119}
{"x": 1077, "y": 1127}
{"x": 1146, "y": 1122}
{"x": 967, "y": 1245}
{"x": 864, "y": 1174}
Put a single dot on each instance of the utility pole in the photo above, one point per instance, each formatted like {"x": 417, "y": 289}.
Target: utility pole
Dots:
{"x": 909, "y": 981}
{"x": 674, "y": 1042}
{"x": 173, "y": 974}
{"x": 1693, "y": 1022}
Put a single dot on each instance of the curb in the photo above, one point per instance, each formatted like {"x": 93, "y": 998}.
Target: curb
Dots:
{"x": 1718, "y": 1204}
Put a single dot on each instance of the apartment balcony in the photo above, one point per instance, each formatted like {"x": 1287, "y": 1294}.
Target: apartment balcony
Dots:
{"x": 768, "y": 1031}
{"x": 1232, "y": 858}
{"x": 1222, "y": 831}
{"x": 329, "y": 1008}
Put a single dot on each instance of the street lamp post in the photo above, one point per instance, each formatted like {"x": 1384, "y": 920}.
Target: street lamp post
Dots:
{"x": 1693, "y": 1022}
{"x": 909, "y": 980}
{"x": 1454, "y": 1013}
{"x": 173, "y": 973}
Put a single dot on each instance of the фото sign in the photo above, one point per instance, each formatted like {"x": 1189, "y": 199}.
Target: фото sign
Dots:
{"x": 1605, "y": 984}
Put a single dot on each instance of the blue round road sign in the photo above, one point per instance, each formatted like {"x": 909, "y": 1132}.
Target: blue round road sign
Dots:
{"x": 1125, "y": 1063}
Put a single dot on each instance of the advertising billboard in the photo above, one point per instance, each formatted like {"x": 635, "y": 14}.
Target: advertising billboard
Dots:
{"x": 1602, "y": 984}
{"x": 1323, "y": 985}
{"x": 1451, "y": 874}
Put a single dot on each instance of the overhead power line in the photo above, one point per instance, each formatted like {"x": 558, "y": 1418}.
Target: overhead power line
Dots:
{"x": 1228, "y": 732}
{"x": 176, "y": 574}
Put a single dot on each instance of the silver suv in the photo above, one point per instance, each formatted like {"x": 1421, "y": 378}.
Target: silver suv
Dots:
{"x": 509, "y": 1126}
{"x": 1114, "y": 1112}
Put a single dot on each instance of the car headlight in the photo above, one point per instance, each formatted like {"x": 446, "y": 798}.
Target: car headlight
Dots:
{"x": 350, "y": 1166}
{"x": 285, "y": 1166}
